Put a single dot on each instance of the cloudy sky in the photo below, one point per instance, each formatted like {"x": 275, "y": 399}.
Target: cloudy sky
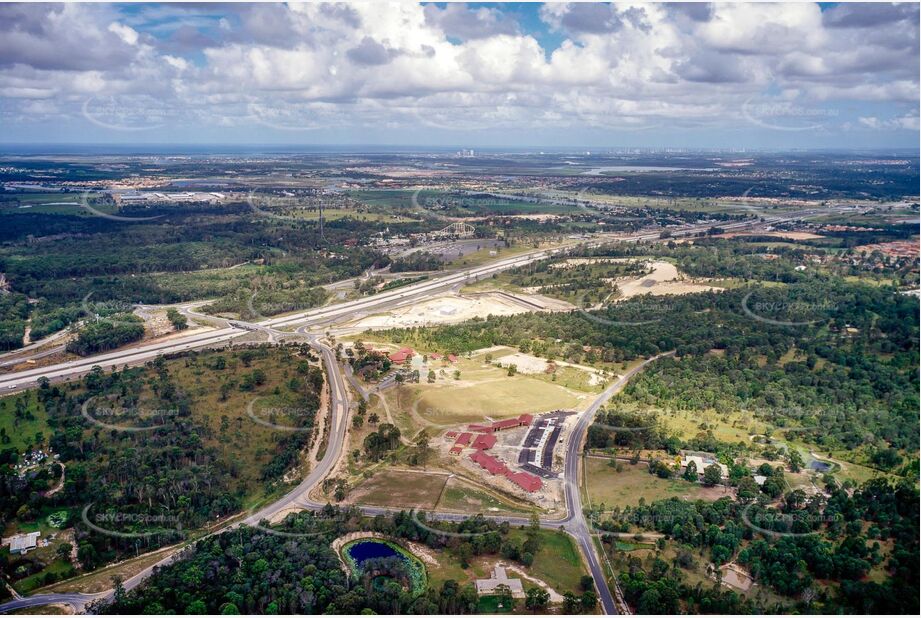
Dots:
{"x": 695, "y": 75}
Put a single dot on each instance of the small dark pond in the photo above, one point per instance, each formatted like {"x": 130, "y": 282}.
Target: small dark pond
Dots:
{"x": 366, "y": 550}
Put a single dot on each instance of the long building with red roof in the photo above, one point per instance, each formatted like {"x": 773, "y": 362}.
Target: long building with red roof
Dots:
{"x": 489, "y": 463}
{"x": 510, "y": 423}
{"x": 528, "y": 482}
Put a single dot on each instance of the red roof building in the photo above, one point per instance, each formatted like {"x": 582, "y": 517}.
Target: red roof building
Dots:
{"x": 456, "y": 449}
{"x": 435, "y": 356}
{"x": 463, "y": 439}
{"x": 489, "y": 463}
{"x": 528, "y": 482}
{"x": 484, "y": 442}
{"x": 452, "y": 358}
{"x": 401, "y": 355}
{"x": 510, "y": 423}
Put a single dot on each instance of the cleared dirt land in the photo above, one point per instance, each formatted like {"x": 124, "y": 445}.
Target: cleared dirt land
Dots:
{"x": 396, "y": 488}
{"x": 663, "y": 280}
{"x": 451, "y": 309}
{"x": 787, "y": 235}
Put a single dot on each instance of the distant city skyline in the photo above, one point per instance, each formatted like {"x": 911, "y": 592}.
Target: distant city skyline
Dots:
{"x": 529, "y": 76}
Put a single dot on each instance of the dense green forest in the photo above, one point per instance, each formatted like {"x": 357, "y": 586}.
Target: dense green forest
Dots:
{"x": 106, "y": 334}
{"x": 418, "y": 261}
{"x": 793, "y": 550}
{"x": 147, "y": 458}
{"x": 295, "y": 571}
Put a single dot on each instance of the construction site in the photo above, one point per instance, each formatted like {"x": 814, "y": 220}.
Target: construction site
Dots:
{"x": 454, "y": 308}
{"x": 522, "y": 455}
{"x": 496, "y": 441}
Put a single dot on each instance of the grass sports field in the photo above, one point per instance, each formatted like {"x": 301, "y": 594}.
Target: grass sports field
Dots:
{"x": 485, "y": 390}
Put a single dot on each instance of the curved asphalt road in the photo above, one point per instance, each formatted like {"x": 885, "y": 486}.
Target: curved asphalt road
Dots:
{"x": 574, "y": 522}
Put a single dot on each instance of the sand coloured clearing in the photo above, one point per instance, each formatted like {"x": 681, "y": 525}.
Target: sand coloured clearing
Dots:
{"x": 497, "y": 398}
{"x": 451, "y": 309}
{"x": 787, "y": 235}
{"x": 525, "y": 363}
{"x": 663, "y": 280}
{"x": 736, "y": 577}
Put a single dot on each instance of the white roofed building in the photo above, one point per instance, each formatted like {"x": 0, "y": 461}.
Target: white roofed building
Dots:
{"x": 499, "y": 578}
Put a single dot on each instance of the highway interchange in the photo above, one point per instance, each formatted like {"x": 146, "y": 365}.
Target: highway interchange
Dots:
{"x": 309, "y": 325}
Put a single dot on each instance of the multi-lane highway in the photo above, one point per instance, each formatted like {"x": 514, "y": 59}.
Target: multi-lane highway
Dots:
{"x": 142, "y": 353}
{"x": 574, "y": 522}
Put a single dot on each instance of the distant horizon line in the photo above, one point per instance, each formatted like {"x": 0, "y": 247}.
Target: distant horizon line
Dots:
{"x": 200, "y": 148}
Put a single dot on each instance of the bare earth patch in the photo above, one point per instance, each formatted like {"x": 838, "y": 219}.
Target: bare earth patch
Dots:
{"x": 401, "y": 489}
{"x": 663, "y": 280}
{"x": 452, "y": 309}
{"x": 786, "y": 235}
{"x": 525, "y": 363}
{"x": 736, "y": 577}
